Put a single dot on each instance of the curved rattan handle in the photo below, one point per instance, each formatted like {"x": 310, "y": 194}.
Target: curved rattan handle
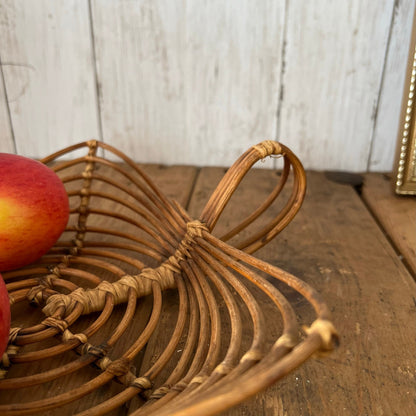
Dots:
{"x": 229, "y": 183}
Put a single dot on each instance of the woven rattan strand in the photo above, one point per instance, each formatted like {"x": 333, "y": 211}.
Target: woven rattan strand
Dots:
{"x": 88, "y": 290}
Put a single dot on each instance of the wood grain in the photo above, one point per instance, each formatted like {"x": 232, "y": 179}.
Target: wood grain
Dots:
{"x": 140, "y": 76}
{"x": 335, "y": 245}
{"x": 48, "y": 67}
{"x": 396, "y": 215}
{"x": 176, "y": 182}
{"x": 197, "y": 82}
{"x": 6, "y": 135}
{"x": 182, "y": 83}
{"x": 333, "y": 68}
{"x": 345, "y": 255}
{"x": 232, "y": 76}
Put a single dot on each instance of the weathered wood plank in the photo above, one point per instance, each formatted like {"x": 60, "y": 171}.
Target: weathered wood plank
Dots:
{"x": 232, "y": 76}
{"x": 176, "y": 182}
{"x": 335, "y": 245}
{"x": 391, "y": 91}
{"x": 207, "y": 180}
{"x": 396, "y": 214}
{"x": 6, "y": 137}
{"x": 140, "y": 77}
{"x": 48, "y": 68}
{"x": 183, "y": 83}
{"x": 197, "y": 82}
{"x": 344, "y": 254}
{"x": 333, "y": 67}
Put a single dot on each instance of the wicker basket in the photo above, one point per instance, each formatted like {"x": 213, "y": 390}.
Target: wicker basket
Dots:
{"x": 103, "y": 289}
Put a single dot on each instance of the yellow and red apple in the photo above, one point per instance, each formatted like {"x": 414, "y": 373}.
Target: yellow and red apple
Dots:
{"x": 34, "y": 210}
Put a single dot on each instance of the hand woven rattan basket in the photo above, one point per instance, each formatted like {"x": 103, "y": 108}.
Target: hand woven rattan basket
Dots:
{"x": 103, "y": 289}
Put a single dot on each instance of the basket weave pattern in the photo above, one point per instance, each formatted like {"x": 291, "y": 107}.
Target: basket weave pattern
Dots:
{"x": 101, "y": 292}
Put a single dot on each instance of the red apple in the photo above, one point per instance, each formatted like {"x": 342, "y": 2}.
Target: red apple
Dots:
{"x": 34, "y": 210}
{"x": 4, "y": 317}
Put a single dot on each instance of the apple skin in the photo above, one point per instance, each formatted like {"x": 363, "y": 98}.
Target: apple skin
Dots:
{"x": 34, "y": 210}
{"x": 4, "y": 317}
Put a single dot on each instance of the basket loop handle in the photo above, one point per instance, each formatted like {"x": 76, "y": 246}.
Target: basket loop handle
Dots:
{"x": 230, "y": 182}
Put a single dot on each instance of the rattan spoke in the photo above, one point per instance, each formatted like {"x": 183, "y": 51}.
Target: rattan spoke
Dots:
{"x": 102, "y": 292}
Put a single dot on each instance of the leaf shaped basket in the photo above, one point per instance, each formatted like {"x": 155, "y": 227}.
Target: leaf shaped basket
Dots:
{"x": 130, "y": 257}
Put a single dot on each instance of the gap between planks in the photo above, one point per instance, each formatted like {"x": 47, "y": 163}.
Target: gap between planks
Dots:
{"x": 396, "y": 215}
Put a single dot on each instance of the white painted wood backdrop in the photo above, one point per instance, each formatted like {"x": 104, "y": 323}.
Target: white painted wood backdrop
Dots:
{"x": 198, "y": 82}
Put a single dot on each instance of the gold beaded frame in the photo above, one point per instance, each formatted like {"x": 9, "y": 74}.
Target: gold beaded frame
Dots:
{"x": 405, "y": 167}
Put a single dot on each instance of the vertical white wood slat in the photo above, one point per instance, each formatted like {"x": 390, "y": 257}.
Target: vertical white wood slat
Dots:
{"x": 138, "y": 50}
{"x": 333, "y": 68}
{"x": 188, "y": 82}
{"x": 388, "y": 114}
{"x": 198, "y": 82}
{"x": 233, "y": 67}
{"x": 47, "y": 58}
{"x": 6, "y": 135}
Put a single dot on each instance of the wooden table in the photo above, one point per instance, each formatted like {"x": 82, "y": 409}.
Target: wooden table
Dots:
{"x": 358, "y": 251}
{"x": 337, "y": 244}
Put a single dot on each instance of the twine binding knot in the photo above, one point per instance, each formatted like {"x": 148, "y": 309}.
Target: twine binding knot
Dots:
{"x": 267, "y": 148}
{"x": 326, "y": 331}
{"x": 93, "y": 300}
